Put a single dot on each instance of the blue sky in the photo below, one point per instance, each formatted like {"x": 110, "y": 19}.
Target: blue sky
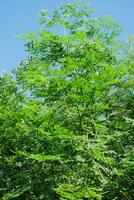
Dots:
{"x": 18, "y": 17}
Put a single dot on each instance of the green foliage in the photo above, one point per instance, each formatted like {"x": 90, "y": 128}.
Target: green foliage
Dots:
{"x": 67, "y": 112}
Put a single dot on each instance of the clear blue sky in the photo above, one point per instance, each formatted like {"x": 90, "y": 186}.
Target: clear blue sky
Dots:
{"x": 20, "y": 16}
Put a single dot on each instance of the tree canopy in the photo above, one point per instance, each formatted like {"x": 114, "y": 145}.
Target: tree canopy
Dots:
{"x": 67, "y": 112}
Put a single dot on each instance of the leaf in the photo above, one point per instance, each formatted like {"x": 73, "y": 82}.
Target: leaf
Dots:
{"x": 40, "y": 157}
{"x": 15, "y": 194}
{"x": 29, "y": 36}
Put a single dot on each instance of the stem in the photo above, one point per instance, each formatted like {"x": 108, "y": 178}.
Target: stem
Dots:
{"x": 80, "y": 118}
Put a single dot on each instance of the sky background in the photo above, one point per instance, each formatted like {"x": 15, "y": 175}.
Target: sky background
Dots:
{"x": 20, "y": 16}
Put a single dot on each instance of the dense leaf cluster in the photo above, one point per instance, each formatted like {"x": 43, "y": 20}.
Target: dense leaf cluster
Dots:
{"x": 67, "y": 112}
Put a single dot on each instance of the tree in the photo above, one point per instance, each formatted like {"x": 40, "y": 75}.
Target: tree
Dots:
{"x": 67, "y": 112}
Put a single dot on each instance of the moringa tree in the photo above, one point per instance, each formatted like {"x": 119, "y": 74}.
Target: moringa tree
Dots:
{"x": 67, "y": 112}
